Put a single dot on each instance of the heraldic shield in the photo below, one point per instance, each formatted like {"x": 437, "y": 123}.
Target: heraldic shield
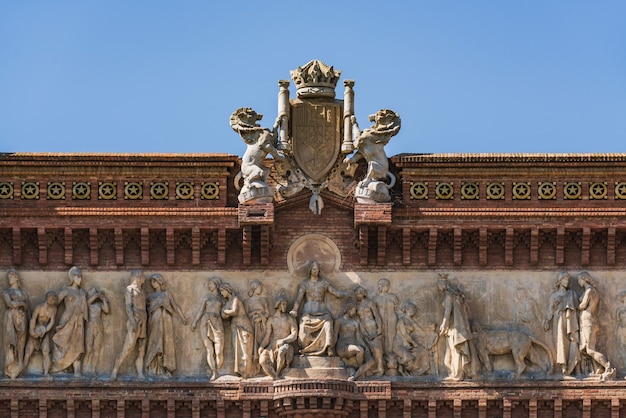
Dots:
{"x": 316, "y": 136}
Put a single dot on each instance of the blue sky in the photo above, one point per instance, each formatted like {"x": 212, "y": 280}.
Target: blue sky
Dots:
{"x": 164, "y": 76}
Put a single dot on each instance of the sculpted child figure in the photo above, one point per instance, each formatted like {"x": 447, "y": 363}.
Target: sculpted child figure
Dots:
{"x": 39, "y": 328}
{"x": 136, "y": 322}
{"x": 15, "y": 325}
{"x": 210, "y": 313}
{"x": 275, "y": 349}
{"x": 98, "y": 304}
{"x": 315, "y": 331}
{"x": 241, "y": 331}
{"x": 69, "y": 338}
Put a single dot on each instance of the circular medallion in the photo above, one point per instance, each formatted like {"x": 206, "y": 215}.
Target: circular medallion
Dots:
{"x": 81, "y": 190}
{"x": 210, "y": 190}
{"x": 312, "y": 247}
{"x": 572, "y": 190}
{"x": 469, "y": 190}
{"x": 620, "y": 190}
{"x": 159, "y": 191}
{"x": 107, "y": 190}
{"x": 419, "y": 190}
{"x": 133, "y": 191}
{"x": 495, "y": 191}
{"x": 6, "y": 190}
{"x": 30, "y": 190}
{"x": 56, "y": 191}
{"x": 184, "y": 190}
{"x": 521, "y": 191}
{"x": 444, "y": 191}
{"x": 598, "y": 190}
{"x": 546, "y": 190}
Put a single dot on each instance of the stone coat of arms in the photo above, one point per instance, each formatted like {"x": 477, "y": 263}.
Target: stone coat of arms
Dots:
{"x": 316, "y": 143}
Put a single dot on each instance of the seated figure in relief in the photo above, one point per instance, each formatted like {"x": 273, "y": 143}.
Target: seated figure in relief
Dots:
{"x": 275, "y": 349}
{"x": 350, "y": 345}
{"x": 409, "y": 345}
{"x": 315, "y": 329}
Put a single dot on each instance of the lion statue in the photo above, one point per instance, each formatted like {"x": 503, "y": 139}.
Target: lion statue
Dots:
{"x": 370, "y": 145}
{"x": 260, "y": 142}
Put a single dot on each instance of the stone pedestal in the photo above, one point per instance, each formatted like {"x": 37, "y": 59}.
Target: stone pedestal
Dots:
{"x": 316, "y": 367}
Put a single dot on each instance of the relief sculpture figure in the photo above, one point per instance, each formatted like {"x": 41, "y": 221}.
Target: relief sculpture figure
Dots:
{"x": 409, "y": 345}
{"x": 562, "y": 318}
{"x": 370, "y": 325}
{"x": 388, "y": 304}
{"x": 275, "y": 349}
{"x": 136, "y": 323}
{"x": 69, "y": 339}
{"x": 15, "y": 325}
{"x": 315, "y": 330}
{"x": 588, "y": 307}
{"x": 161, "y": 344}
{"x": 39, "y": 329}
{"x": 349, "y": 343}
{"x": 460, "y": 357}
{"x": 210, "y": 315}
{"x": 260, "y": 142}
{"x": 620, "y": 330}
{"x": 258, "y": 311}
{"x": 370, "y": 145}
{"x": 98, "y": 304}
{"x": 241, "y": 331}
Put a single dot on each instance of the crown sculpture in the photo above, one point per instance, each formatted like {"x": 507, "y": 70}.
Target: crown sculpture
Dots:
{"x": 316, "y": 144}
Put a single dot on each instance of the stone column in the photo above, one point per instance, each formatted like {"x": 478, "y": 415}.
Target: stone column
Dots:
{"x": 283, "y": 113}
{"x": 348, "y": 111}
